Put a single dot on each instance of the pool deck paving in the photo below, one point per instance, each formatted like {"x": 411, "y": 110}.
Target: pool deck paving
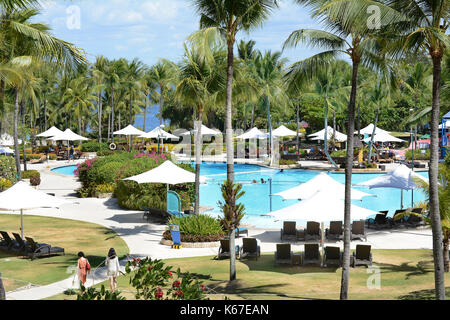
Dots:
{"x": 143, "y": 238}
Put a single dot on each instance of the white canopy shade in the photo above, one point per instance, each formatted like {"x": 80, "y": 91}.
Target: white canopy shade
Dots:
{"x": 321, "y": 207}
{"x": 205, "y": 132}
{"x": 129, "y": 131}
{"x": 6, "y": 150}
{"x": 369, "y": 130}
{"x": 68, "y": 135}
{"x": 321, "y": 182}
{"x": 53, "y": 131}
{"x": 253, "y": 133}
{"x": 168, "y": 173}
{"x": 383, "y": 137}
{"x": 340, "y": 137}
{"x": 400, "y": 178}
{"x": 7, "y": 140}
{"x": 158, "y": 133}
{"x": 22, "y": 196}
{"x": 282, "y": 131}
{"x": 447, "y": 125}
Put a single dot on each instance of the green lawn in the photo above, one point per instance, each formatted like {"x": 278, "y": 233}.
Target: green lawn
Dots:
{"x": 74, "y": 236}
{"x": 405, "y": 274}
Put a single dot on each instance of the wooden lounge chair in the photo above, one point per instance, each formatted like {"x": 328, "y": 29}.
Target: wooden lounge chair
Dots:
{"x": 358, "y": 230}
{"x": 250, "y": 248}
{"x": 312, "y": 231}
{"x": 289, "y": 231}
{"x": 332, "y": 256}
{"x": 224, "y": 249}
{"x": 37, "y": 250}
{"x": 284, "y": 254}
{"x": 362, "y": 255}
{"x": 241, "y": 231}
{"x": 380, "y": 221}
{"x": 311, "y": 255}
{"x": 335, "y": 232}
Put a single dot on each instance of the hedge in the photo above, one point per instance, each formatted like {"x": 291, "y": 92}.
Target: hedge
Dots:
{"x": 30, "y": 173}
{"x": 8, "y": 168}
{"x": 418, "y": 155}
{"x": 196, "y": 228}
{"x": 94, "y": 146}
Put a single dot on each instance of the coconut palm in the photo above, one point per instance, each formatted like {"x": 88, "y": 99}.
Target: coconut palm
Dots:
{"x": 98, "y": 75}
{"x": 228, "y": 17}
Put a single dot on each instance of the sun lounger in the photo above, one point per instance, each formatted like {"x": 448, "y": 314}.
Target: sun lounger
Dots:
{"x": 11, "y": 245}
{"x": 311, "y": 255}
{"x": 397, "y": 222}
{"x": 335, "y": 232}
{"x": 358, "y": 230}
{"x": 380, "y": 221}
{"x": 362, "y": 256}
{"x": 332, "y": 256}
{"x": 22, "y": 244}
{"x": 414, "y": 220}
{"x": 284, "y": 254}
{"x": 224, "y": 249}
{"x": 37, "y": 250}
{"x": 289, "y": 231}
{"x": 250, "y": 248}
{"x": 312, "y": 231}
{"x": 241, "y": 231}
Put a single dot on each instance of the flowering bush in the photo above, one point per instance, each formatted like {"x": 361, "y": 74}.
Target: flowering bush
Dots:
{"x": 94, "y": 294}
{"x": 5, "y": 184}
{"x": 8, "y": 168}
{"x": 155, "y": 281}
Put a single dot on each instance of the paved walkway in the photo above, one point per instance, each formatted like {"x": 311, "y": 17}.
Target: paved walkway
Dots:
{"x": 143, "y": 238}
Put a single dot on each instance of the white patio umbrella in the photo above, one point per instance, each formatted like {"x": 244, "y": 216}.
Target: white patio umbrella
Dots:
{"x": 6, "y": 150}
{"x": 205, "y": 132}
{"x": 282, "y": 131}
{"x": 253, "y": 133}
{"x": 168, "y": 173}
{"x": 53, "y": 131}
{"x": 383, "y": 137}
{"x": 369, "y": 130}
{"x": 22, "y": 196}
{"x": 340, "y": 137}
{"x": 158, "y": 133}
{"x": 129, "y": 131}
{"x": 400, "y": 178}
{"x": 321, "y": 182}
{"x": 68, "y": 135}
{"x": 7, "y": 140}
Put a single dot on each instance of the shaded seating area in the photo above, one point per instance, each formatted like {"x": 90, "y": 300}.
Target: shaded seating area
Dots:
{"x": 29, "y": 248}
{"x": 358, "y": 230}
{"x": 332, "y": 256}
{"x": 361, "y": 256}
{"x": 284, "y": 254}
{"x": 289, "y": 231}
{"x": 224, "y": 249}
{"x": 8, "y": 244}
{"x": 311, "y": 255}
{"x": 335, "y": 232}
{"x": 250, "y": 248}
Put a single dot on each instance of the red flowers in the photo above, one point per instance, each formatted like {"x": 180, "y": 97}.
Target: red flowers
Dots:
{"x": 176, "y": 284}
{"x": 170, "y": 274}
{"x": 203, "y": 287}
{"x": 159, "y": 293}
{"x": 178, "y": 293}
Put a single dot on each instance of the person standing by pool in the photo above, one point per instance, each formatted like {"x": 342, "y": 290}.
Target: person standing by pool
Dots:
{"x": 71, "y": 151}
{"x": 83, "y": 267}
{"x": 112, "y": 264}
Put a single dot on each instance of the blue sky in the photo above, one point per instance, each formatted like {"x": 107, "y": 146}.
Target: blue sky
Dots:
{"x": 153, "y": 29}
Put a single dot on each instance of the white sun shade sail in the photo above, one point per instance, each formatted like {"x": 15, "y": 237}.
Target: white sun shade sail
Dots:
{"x": 205, "y": 132}
{"x": 282, "y": 131}
{"x": 158, "y": 133}
{"x": 340, "y": 137}
{"x": 129, "y": 131}
{"x": 253, "y": 133}
{"x": 383, "y": 137}
{"x": 321, "y": 207}
{"x": 168, "y": 173}
{"x": 400, "y": 178}
{"x": 321, "y": 182}
{"x": 53, "y": 131}
{"x": 369, "y": 130}
{"x": 68, "y": 135}
{"x": 7, "y": 140}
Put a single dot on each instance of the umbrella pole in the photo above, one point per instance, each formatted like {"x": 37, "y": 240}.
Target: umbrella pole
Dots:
{"x": 401, "y": 199}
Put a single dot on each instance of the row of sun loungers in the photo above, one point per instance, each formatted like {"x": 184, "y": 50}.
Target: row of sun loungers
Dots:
{"x": 310, "y": 256}
{"x": 381, "y": 221}
{"x": 29, "y": 247}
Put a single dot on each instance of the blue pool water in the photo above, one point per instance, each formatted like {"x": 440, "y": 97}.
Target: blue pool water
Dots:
{"x": 257, "y": 200}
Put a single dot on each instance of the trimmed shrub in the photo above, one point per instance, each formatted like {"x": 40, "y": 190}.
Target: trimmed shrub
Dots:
{"x": 8, "y": 168}
{"x": 283, "y": 162}
{"x": 94, "y": 146}
{"x": 5, "y": 184}
{"x": 35, "y": 181}
{"x": 196, "y": 228}
{"x": 418, "y": 155}
{"x": 30, "y": 174}
{"x": 105, "y": 188}
{"x": 104, "y": 153}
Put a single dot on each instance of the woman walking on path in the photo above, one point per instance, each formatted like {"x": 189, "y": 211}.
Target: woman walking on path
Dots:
{"x": 83, "y": 267}
{"x": 112, "y": 264}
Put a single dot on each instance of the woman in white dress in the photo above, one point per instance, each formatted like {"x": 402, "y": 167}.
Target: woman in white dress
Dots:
{"x": 113, "y": 267}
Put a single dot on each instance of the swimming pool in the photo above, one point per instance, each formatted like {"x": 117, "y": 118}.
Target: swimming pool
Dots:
{"x": 257, "y": 200}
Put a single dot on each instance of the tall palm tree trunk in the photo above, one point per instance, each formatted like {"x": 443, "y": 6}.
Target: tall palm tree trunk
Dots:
{"x": 446, "y": 253}
{"x": 298, "y": 128}
{"x": 145, "y": 121}
{"x": 348, "y": 184}
{"x": 112, "y": 113}
{"x": 99, "y": 117}
{"x": 198, "y": 160}
{"x": 373, "y": 135}
{"x": 253, "y": 116}
{"x": 22, "y": 111}
{"x": 228, "y": 120}
{"x": 433, "y": 176}
{"x": 16, "y": 133}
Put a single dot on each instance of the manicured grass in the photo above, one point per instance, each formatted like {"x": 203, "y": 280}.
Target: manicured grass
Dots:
{"x": 74, "y": 236}
{"x": 405, "y": 274}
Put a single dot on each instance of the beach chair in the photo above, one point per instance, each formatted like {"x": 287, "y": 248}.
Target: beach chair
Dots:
{"x": 37, "y": 250}
{"x": 362, "y": 256}
{"x": 23, "y": 248}
{"x": 335, "y": 232}
{"x": 313, "y": 231}
{"x": 289, "y": 231}
{"x": 332, "y": 256}
{"x": 358, "y": 230}
{"x": 11, "y": 245}
{"x": 241, "y": 231}
{"x": 250, "y": 248}
{"x": 284, "y": 254}
{"x": 311, "y": 255}
{"x": 397, "y": 222}
{"x": 380, "y": 220}
{"x": 415, "y": 221}
{"x": 224, "y": 249}
{"x": 174, "y": 204}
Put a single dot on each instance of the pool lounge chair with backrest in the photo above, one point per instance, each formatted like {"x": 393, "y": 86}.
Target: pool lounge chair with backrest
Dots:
{"x": 362, "y": 255}
{"x": 312, "y": 231}
{"x": 8, "y": 243}
{"x": 415, "y": 221}
{"x": 335, "y": 232}
{"x": 241, "y": 231}
{"x": 23, "y": 248}
{"x": 289, "y": 231}
{"x": 332, "y": 256}
{"x": 284, "y": 254}
{"x": 311, "y": 255}
{"x": 224, "y": 249}
{"x": 174, "y": 204}
{"x": 250, "y": 248}
{"x": 380, "y": 220}
{"x": 358, "y": 230}
{"x": 37, "y": 250}
{"x": 397, "y": 222}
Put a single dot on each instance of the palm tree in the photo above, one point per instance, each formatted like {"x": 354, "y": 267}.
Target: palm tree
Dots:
{"x": 114, "y": 72}
{"x": 98, "y": 75}
{"x": 79, "y": 99}
{"x": 228, "y": 17}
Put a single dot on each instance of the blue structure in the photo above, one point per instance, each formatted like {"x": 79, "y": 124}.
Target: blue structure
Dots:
{"x": 176, "y": 236}
{"x": 444, "y": 144}
{"x": 174, "y": 203}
